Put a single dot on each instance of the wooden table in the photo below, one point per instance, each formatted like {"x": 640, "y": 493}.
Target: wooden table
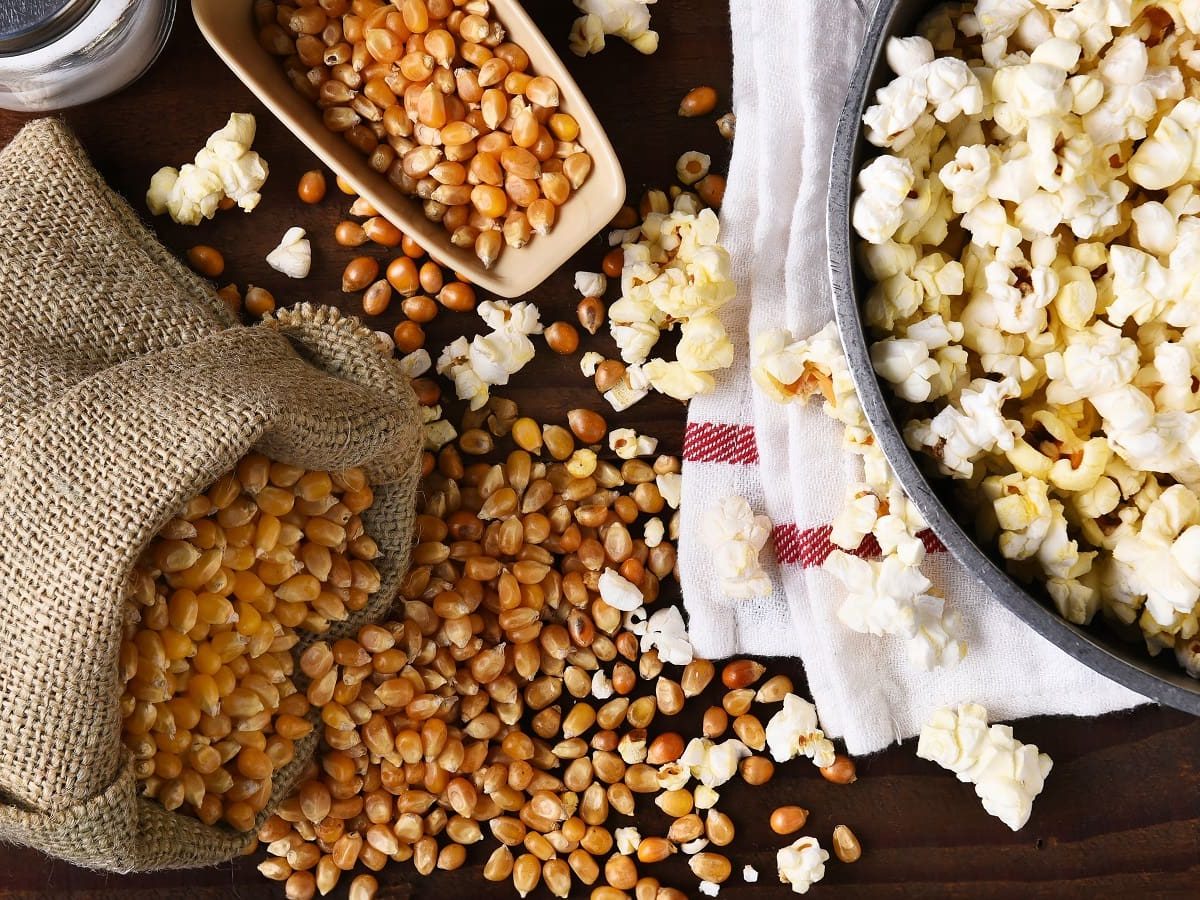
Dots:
{"x": 1120, "y": 815}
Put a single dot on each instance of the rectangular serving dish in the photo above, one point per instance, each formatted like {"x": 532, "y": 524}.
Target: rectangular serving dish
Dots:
{"x": 228, "y": 25}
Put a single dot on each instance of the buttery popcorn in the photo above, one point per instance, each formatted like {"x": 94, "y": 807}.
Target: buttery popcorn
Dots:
{"x": 675, "y": 272}
{"x": 1032, "y": 232}
{"x": 224, "y": 167}
{"x": 1007, "y": 774}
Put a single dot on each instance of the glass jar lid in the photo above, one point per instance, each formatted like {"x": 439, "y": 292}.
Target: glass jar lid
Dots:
{"x": 26, "y": 25}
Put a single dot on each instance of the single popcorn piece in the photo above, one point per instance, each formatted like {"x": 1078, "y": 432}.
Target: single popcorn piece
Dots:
{"x": 879, "y": 208}
{"x": 602, "y": 686}
{"x": 692, "y": 166}
{"x": 293, "y": 256}
{"x": 1007, "y": 774}
{"x": 619, "y": 592}
{"x": 490, "y": 359}
{"x": 735, "y": 536}
{"x": 793, "y": 731}
{"x": 224, "y": 167}
{"x": 705, "y": 797}
{"x": 626, "y": 19}
{"x": 627, "y": 840}
{"x": 670, "y": 485}
{"x": 709, "y": 888}
{"x": 713, "y": 764}
{"x": 653, "y": 532}
{"x": 416, "y": 364}
{"x": 666, "y": 632}
{"x": 589, "y": 362}
{"x": 591, "y": 284}
{"x": 628, "y": 444}
{"x": 801, "y": 864}
{"x": 693, "y": 847}
{"x": 749, "y": 874}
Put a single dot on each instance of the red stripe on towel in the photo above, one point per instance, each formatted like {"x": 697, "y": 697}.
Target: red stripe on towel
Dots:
{"x": 711, "y": 442}
{"x": 808, "y": 547}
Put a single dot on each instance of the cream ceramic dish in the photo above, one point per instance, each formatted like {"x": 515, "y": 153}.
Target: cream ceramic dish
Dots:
{"x": 228, "y": 25}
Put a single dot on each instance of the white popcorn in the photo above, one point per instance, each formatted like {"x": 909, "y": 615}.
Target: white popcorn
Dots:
{"x": 878, "y": 209}
{"x": 705, "y": 797}
{"x": 801, "y": 864}
{"x": 670, "y": 485}
{"x": 890, "y": 597}
{"x": 490, "y": 359}
{"x": 293, "y": 256}
{"x": 673, "y": 775}
{"x": 619, "y": 592}
{"x": 224, "y": 167}
{"x": 627, "y": 840}
{"x": 749, "y": 874}
{"x": 416, "y": 364}
{"x": 591, "y": 284}
{"x": 713, "y": 764}
{"x": 602, "y": 686}
{"x": 589, "y": 362}
{"x": 1007, "y": 774}
{"x": 666, "y": 632}
{"x": 626, "y": 19}
{"x": 959, "y": 434}
{"x": 704, "y": 345}
{"x": 709, "y": 888}
{"x": 1169, "y": 155}
{"x": 676, "y": 380}
{"x": 735, "y": 536}
{"x": 793, "y": 731}
{"x": 653, "y": 532}
{"x": 693, "y": 847}
{"x": 907, "y": 365}
{"x": 1161, "y": 555}
{"x": 907, "y": 54}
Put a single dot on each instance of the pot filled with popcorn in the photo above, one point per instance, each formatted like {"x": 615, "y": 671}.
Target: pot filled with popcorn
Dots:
{"x": 1014, "y": 232}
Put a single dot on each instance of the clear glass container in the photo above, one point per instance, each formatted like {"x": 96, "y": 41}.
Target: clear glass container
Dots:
{"x": 60, "y": 53}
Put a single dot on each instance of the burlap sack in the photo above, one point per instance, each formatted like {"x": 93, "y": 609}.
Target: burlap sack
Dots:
{"x": 126, "y": 387}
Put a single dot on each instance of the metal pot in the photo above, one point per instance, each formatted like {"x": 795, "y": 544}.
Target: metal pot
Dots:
{"x": 1096, "y": 645}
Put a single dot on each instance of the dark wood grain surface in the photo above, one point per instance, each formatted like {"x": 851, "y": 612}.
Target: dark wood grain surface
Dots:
{"x": 1120, "y": 816}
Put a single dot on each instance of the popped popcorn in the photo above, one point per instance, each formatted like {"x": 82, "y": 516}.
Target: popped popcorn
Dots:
{"x": 1007, "y": 774}
{"x": 675, "y": 272}
{"x": 710, "y": 763}
{"x": 627, "y": 840}
{"x": 293, "y": 256}
{"x": 749, "y": 874}
{"x": 793, "y": 731}
{"x": 619, "y": 592}
{"x": 490, "y": 359}
{"x": 735, "y": 536}
{"x": 801, "y": 864}
{"x": 1037, "y": 307}
{"x": 626, "y": 19}
{"x": 709, "y": 888}
{"x": 224, "y": 167}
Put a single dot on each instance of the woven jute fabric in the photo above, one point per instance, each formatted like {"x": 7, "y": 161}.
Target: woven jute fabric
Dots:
{"x": 126, "y": 388}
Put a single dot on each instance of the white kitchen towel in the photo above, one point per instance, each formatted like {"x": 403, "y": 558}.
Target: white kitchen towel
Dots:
{"x": 792, "y": 61}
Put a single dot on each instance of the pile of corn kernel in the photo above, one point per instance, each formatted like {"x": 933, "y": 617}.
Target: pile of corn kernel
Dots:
{"x": 511, "y": 703}
{"x": 442, "y": 105}
{"x": 217, "y": 604}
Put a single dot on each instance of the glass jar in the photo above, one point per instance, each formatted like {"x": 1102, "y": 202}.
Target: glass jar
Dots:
{"x": 59, "y": 53}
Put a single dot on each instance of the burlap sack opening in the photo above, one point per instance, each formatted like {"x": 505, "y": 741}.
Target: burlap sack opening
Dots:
{"x": 127, "y": 388}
